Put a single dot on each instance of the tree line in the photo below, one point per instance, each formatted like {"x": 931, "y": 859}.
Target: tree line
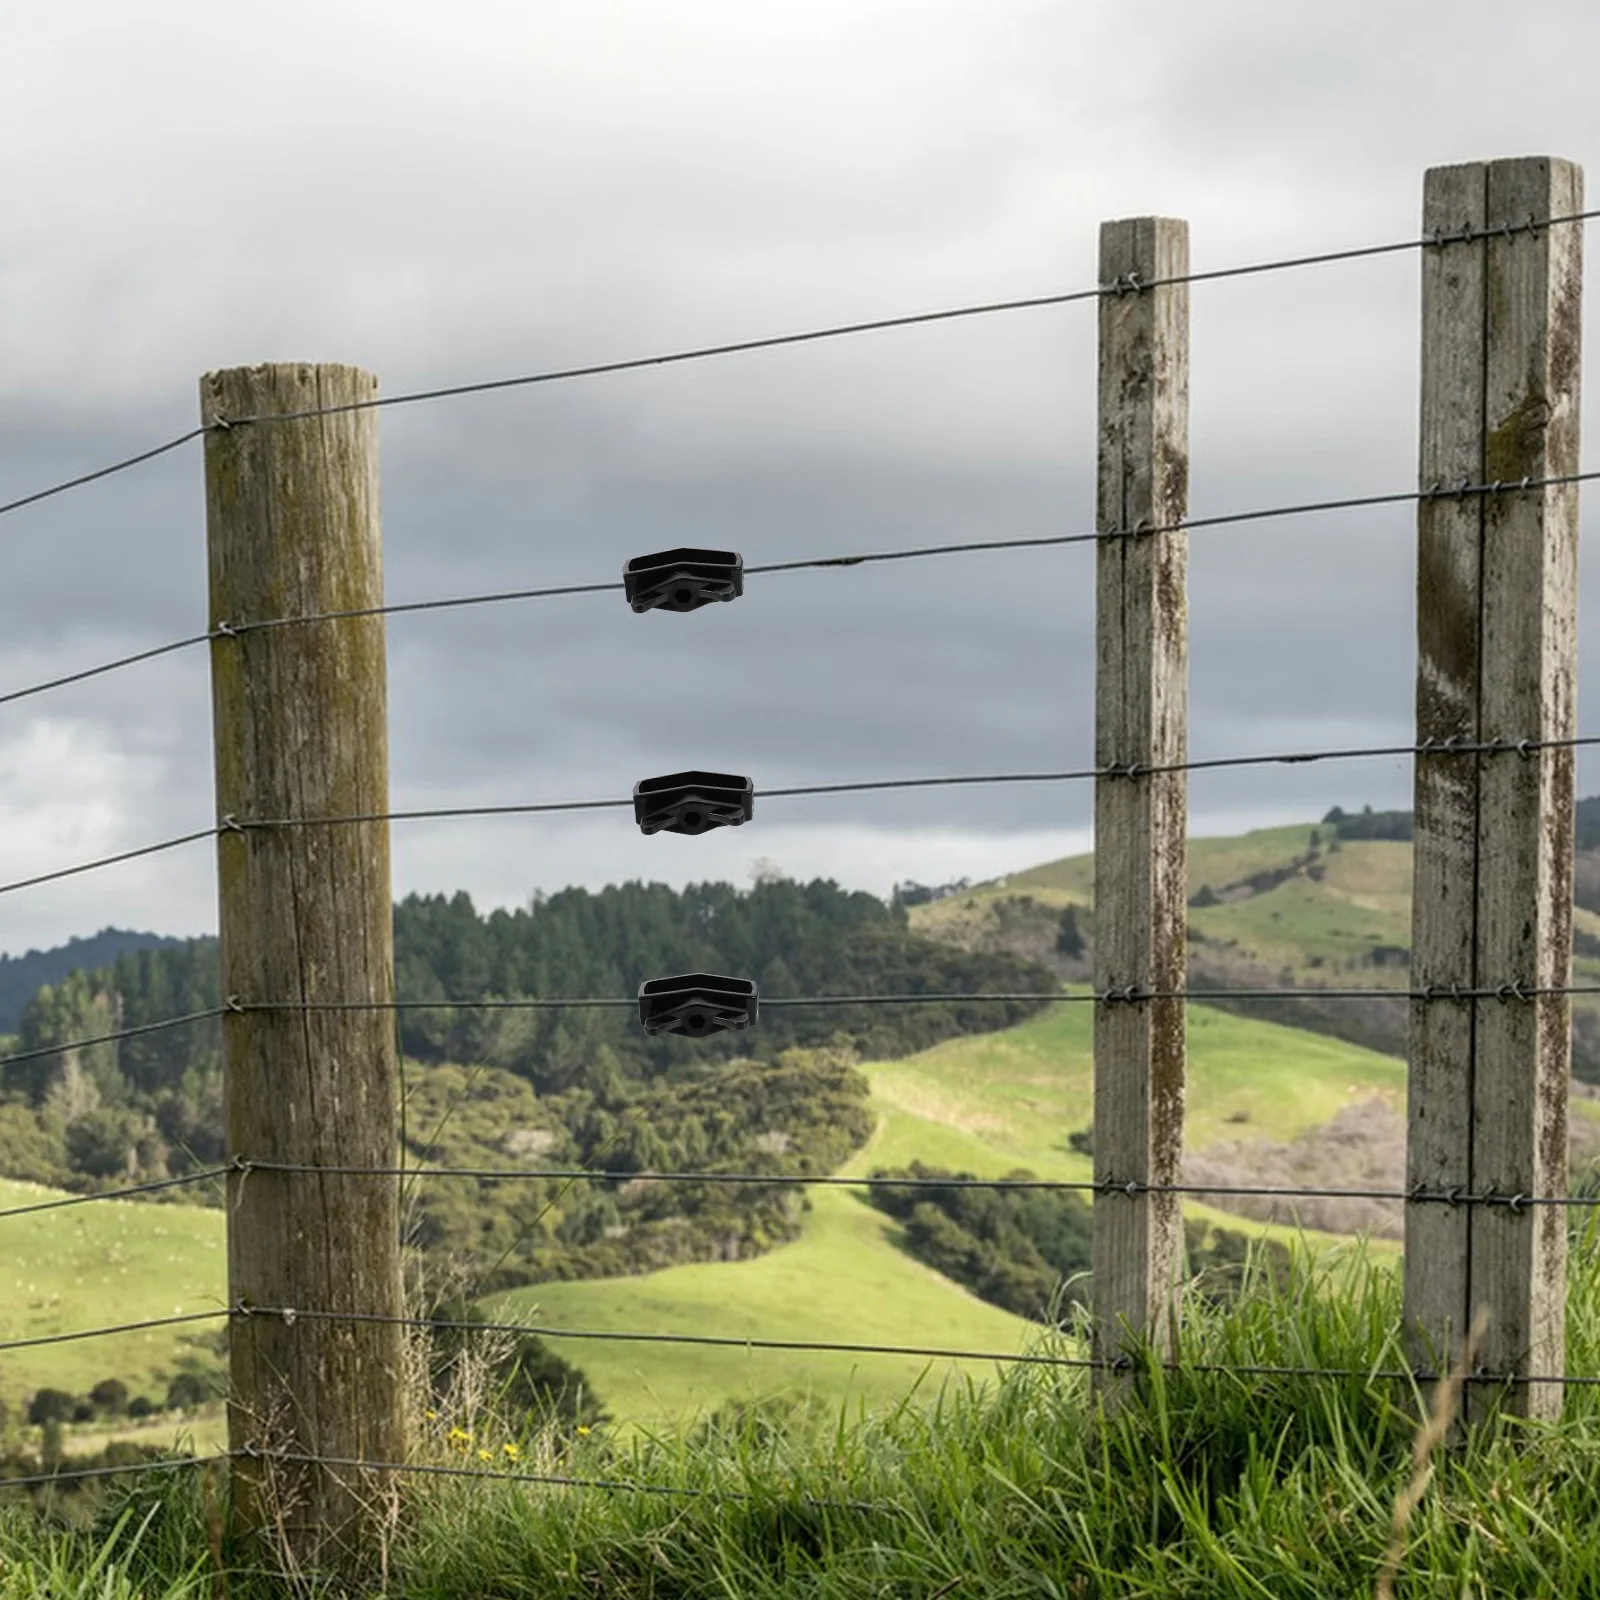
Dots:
{"x": 781, "y": 1098}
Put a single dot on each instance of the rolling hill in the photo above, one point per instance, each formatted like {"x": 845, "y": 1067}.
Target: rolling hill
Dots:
{"x": 1292, "y": 907}
{"x": 983, "y": 1104}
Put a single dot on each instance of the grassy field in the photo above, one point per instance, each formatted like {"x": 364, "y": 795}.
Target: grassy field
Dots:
{"x": 1022, "y": 1091}
{"x": 985, "y": 1104}
{"x": 843, "y": 1280}
{"x": 1202, "y": 1483}
{"x": 1312, "y": 930}
{"x": 109, "y": 1262}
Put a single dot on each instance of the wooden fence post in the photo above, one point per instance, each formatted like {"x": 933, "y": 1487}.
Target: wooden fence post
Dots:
{"x": 306, "y": 915}
{"x": 1492, "y": 890}
{"x": 1140, "y": 821}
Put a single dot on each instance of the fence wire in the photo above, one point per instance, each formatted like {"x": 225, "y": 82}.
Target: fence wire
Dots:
{"x": 229, "y": 630}
{"x": 554, "y": 1479}
{"x": 1523, "y": 747}
{"x": 111, "y": 1038}
{"x": 1130, "y": 994}
{"x": 76, "y": 1473}
{"x": 290, "y": 1315}
{"x": 1417, "y": 1194}
{"x": 1129, "y": 284}
{"x": 203, "y": 1175}
{"x": 1427, "y": 748}
{"x": 118, "y": 1327}
{"x": 1453, "y": 1196}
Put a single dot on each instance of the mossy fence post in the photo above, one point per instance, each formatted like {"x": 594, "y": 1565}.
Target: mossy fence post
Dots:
{"x": 306, "y": 915}
{"x": 1492, "y": 890}
{"x": 1140, "y": 817}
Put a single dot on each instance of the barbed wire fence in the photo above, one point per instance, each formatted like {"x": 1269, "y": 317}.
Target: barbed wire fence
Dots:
{"x": 1482, "y": 1030}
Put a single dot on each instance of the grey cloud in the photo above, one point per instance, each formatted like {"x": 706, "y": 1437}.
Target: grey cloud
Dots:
{"x": 526, "y": 189}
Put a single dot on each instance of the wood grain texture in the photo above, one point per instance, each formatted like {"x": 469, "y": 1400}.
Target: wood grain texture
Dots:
{"x": 1445, "y": 847}
{"x": 1140, "y": 822}
{"x": 306, "y": 914}
{"x": 1497, "y": 628}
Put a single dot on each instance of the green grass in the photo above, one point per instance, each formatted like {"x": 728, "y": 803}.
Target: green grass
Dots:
{"x": 112, "y": 1261}
{"x": 1312, "y": 928}
{"x": 1202, "y": 1484}
{"x": 844, "y": 1280}
{"x": 1020, "y": 1092}
{"x": 1071, "y": 880}
{"x": 985, "y": 1104}
{"x": 1317, "y": 930}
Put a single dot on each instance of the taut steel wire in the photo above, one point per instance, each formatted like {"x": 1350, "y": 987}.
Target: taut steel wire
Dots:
{"x": 231, "y": 824}
{"x": 228, "y": 630}
{"x": 1128, "y": 285}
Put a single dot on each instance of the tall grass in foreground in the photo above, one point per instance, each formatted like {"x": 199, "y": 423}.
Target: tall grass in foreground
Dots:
{"x": 1206, "y": 1484}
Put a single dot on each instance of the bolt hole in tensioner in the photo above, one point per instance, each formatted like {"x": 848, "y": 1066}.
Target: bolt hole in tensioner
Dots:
{"x": 693, "y": 1003}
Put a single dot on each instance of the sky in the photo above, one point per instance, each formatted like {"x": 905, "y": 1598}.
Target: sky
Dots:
{"x": 445, "y": 194}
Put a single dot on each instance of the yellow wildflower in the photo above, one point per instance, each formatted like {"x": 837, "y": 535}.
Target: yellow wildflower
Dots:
{"x": 511, "y": 1450}
{"x": 582, "y": 1431}
{"x": 484, "y": 1455}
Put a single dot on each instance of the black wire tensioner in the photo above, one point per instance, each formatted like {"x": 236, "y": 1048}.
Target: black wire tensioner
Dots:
{"x": 696, "y": 1004}
{"x": 683, "y": 580}
{"x": 691, "y": 802}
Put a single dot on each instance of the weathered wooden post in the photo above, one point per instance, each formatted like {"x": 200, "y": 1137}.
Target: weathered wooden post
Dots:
{"x": 306, "y": 915}
{"x": 1492, "y": 891}
{"x": 1140, "y": 820}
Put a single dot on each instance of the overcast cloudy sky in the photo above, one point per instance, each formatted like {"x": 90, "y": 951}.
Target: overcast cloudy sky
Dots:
{"x": 447, "y": 193}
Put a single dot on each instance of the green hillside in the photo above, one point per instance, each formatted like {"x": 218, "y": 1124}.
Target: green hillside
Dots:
{"x": 1022, "y": 1091}
{"x": 110, "y": 1262}
{"x": 1362, "y": 897}
{"x": 1325, "y": 916}
{"x": 842, "y": 1281}
{"x": 1289, "y": 907}
{"x": 984, "y": 1104}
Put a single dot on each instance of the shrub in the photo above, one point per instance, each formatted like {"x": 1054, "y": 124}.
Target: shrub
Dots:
{"x": 50, "y": 1405}
{"x": 185, "y": 1392}
{"x": 111, "y": 1395}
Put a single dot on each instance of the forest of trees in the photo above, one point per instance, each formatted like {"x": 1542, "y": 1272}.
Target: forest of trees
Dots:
{"x": 590, "y": 1086}
{"x": 1028, "y": 1250}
